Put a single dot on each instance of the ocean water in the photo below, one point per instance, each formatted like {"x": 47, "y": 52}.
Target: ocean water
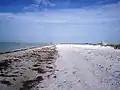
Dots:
{"x": 8, "y": 46}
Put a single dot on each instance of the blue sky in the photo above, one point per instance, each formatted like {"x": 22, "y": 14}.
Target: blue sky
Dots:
{"x": 19, "y": 5}
{"x": 58, "y": 21}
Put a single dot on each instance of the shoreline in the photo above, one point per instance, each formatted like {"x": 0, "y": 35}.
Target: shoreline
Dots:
{"x": 23, "y": 49}
{"x": 16, "y": 50}
{"x": 115, "y": 46}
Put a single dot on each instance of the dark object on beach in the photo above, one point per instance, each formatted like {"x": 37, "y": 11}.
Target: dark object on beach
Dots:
{"x": 55, "y": 76}
{"x": 5, "y": 75}
{"x": 6, "y": 82}
{"x": 36, "y": 65}
{"x": 14, "y": 79}
{"x": 50, "y": 67}
{"x": 117, "y": 46}
{"x": 39, "y": 70}
{"x": 39, "y": 78}
{"x": 27, "y": 85}
{"x": 5, "y": 64}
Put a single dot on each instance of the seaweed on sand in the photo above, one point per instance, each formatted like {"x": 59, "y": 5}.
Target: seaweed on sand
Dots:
{"x": 27, "y": 85}
{"x": 39, "y": 70}
{"x": 5, "y": 75}
{"x": 6, "y": 82}
{"x": 5, "y": 64}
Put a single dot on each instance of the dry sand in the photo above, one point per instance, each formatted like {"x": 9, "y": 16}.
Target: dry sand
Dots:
{"x": 64, "y": 67}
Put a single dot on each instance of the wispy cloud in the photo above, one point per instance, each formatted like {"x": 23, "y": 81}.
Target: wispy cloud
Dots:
{"x": 39, "y": 5}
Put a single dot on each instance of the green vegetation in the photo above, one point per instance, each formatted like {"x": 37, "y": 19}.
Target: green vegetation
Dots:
{"x": 115, "y": 46}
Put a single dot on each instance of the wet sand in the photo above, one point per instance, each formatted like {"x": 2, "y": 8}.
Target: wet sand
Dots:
{"x": 61, "y": 67}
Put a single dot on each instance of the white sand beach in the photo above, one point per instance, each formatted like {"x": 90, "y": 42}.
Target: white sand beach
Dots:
{"x": 64, "y": 67}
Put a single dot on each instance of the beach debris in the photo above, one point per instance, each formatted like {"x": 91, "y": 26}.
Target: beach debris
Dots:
{"x": 4, "y": 64}
{"x": 27, "y": 85}
{"x": 39, "y": 70}
{"x": 5, "y": 75}
{"x": 8, "y": 83}
{"x": 23, "y": 67}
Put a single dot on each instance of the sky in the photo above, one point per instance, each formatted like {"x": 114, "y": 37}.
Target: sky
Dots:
{"x": 60, "y": 21}
{"x": 29, "y": 5}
